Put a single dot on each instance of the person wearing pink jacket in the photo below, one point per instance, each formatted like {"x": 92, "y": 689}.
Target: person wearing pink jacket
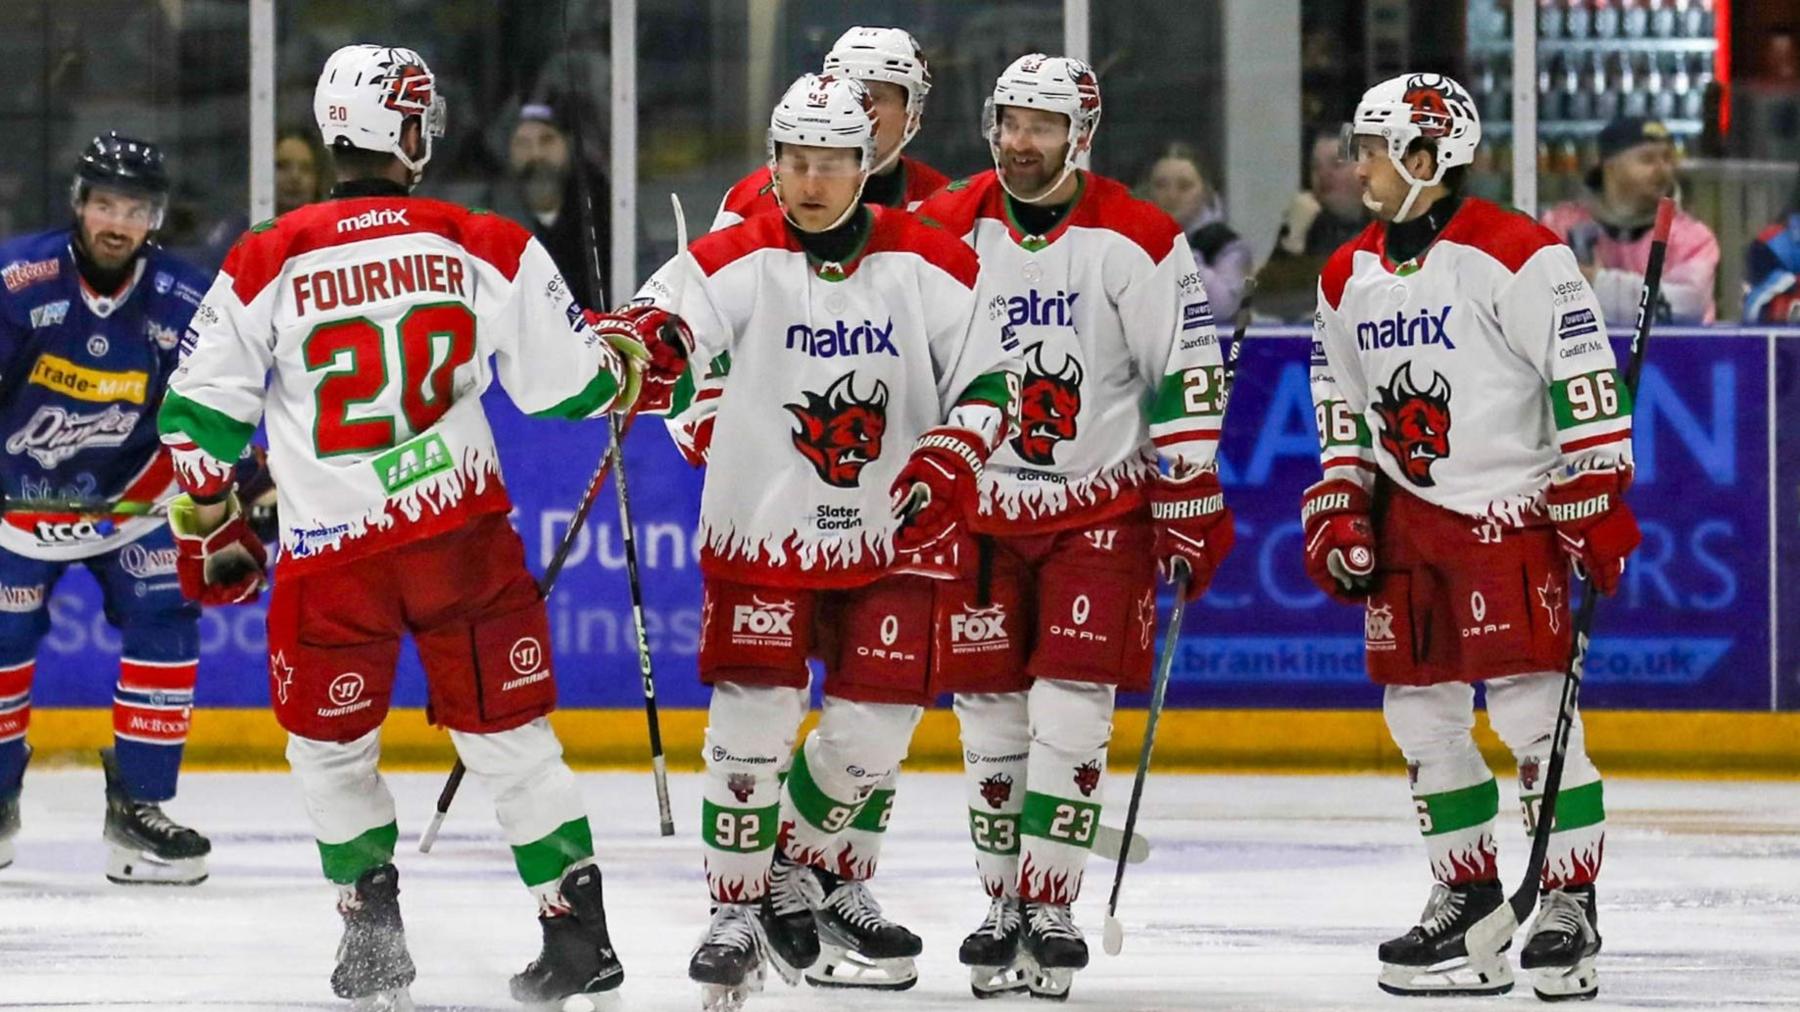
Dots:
{"x": 1609, "y": 229}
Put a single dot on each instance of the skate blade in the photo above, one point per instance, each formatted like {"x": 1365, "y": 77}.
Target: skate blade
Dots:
{"x": 131, "y": 867}
{"x": 1580, "y": 982}
{"x": 1451, "y": 977}
{"x": 6, "y": 853}
{"x": 729, "y": 997}
{"x": 394, "y": 999}
{"x": 1051, "y": 983}
{"x": 997, "y": 981}
{"x": 587, "y": 1001}
{"x": 847, "y": 968}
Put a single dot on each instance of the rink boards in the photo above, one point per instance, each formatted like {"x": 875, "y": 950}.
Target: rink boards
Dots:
{"x": 1708, "y": 620}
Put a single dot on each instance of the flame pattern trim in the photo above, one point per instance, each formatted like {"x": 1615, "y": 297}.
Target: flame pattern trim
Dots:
{"x": 438, "y": 495}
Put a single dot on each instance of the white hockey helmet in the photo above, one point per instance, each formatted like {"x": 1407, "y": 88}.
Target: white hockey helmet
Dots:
{"x": 1057, "y": 83}
{"x": 367, "y": 93}
{"x": 885, "y": 54}
{"x": 1413, "y": 107}
{"x": 822, "y": 111}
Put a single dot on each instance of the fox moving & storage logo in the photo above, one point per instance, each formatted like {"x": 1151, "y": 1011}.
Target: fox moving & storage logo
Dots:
{"x": 763, "y": 623}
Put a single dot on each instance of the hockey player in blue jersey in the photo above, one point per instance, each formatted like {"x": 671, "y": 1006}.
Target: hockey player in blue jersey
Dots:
{"x": 91, "y": 320}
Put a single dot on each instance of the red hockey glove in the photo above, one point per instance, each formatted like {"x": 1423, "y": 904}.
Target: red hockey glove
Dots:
{"x": 1595, "y": 523}
{"x": 1340, "y": 543}
{"x": 223, "y": 566}
{"x": 654, "y": 337}
{"x": 1192, "y": 525}
{"x": 935, "y": 492}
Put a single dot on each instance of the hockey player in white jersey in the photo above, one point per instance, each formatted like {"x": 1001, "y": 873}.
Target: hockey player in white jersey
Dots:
{"x": 1122, "y": 379}
{"x": 1475, "y": 432}
{"x": 861, "y": 378}
{"x": 380, "y": 316}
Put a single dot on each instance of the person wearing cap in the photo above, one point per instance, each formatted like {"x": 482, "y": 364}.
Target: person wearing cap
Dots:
{"x": 1609, "y": 228}
{"x": 541, "y": 192}
{"x": 91, "y": 323}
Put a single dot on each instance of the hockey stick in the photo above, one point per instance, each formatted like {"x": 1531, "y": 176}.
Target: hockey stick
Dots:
{"x": 1113, "y": 938}
{"x": 1496, "y": 928}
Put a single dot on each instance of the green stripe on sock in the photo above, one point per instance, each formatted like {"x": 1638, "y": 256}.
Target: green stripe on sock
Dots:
{"x": 994, "y": 834}
{"x": 1064, "y": 820}
{"x": 344, "y": 863}
{"x": 873, "y": 818}
{"x": 545, "y": 860}
{"x": 1576, "y": 808}
{"x": 739, "y": 830}
{"x": 1460, "y": 809}
{"x": 820, "y": 810}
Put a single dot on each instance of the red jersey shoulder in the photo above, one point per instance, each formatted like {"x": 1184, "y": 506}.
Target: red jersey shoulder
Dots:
{"x": 1342, "y": 262}
{"x": 905, "y": 232}
{"x": 922, "y": 180}
{"x": 1509, "y": 236}
{"x": 1108, "y": 204}
{"x": 714, "y": 250}
{"x": 959, "y": 203}
{"x": 753, "y": 194}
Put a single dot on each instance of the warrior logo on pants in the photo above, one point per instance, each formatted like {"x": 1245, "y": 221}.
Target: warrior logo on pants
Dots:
{"x": 1415, "y": 424}
{"x": 1048, "y": 404}
{"x": 840, "y": 432}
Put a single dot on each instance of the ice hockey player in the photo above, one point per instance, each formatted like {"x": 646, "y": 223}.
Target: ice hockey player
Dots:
{"x": 90, "y": 321}
{"x": 889, "y": 62}
{"x": 859, "y": 369}
{"x": 1122, "y": 375}
{"x": 1474, "y": 432}
{"x": 381, "y": 316}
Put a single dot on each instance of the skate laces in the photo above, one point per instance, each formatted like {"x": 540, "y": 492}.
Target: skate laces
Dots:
{"x": 1441, "y": 910}
{"x": 1002, "y": 918}
{"x": 793, "y": 888}
{"x": 1052, "y": 920}
{"x": 151, "y": 815}
{"x": 853, "y": 901}
{"x": 1560, "y": 912}
{"x": 734, "y": 926}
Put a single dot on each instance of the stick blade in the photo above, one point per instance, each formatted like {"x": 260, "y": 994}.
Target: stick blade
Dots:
{"x": 1113, "y": 938}
{"x": 1110, "y": 842}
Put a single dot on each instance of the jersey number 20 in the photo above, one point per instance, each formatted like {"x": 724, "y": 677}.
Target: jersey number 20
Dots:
{"x": 433, "y": 341}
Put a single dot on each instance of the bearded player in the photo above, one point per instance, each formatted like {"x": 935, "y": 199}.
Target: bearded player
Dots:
{"x": 1476, "y": 440}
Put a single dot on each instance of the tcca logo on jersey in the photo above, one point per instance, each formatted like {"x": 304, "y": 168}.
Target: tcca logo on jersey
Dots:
{"x": 1415, "y": 424}
{"x": 1048, "y": 404}
{"x": 840, "y": 431}
{"x": 1402, "y": 331}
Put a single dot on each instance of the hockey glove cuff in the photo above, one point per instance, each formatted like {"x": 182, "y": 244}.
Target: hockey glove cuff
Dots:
{"x": 661, "y": 343}
{"x": 1594, "y": 523}
{"x": 936, "y": 491}
{"x": 1192, "y": 525}
{"x": 1340, "y": 542}
{"x": 224, "y": 565}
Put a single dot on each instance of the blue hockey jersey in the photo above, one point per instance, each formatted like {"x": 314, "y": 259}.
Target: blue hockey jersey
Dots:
{"x": 81, "y": 377}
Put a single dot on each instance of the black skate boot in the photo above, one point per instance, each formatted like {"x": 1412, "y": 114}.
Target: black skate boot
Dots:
{"x": 578, "y": 957}
{"x": 1053, "y": 948}
{"x": 9, "y": 820}
{"x": 1434, "y": 958}
{"x": 1561, "y": 945}
{"x": 728, "y": 963}
{"x": 992, "y": 952}
{"x": 787, "y": 916}
{"x": 858, "y": 947}
{"x": 147, "y": 847}
{"x": 373, "y": 967}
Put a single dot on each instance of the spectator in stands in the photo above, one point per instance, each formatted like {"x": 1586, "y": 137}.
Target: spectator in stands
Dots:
{"x": 1324, "y": 216}
{"x": 1609, "y": 228}
{"x": 540, "y": 191}
{"x": 1772, "y": 271}
{"x": 1765, "y": 118}
{"x": 301, "y": 169}
{"x": 1177, "y": 185}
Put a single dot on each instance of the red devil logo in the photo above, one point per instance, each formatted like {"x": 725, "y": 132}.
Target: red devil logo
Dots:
{"x": 408, "y": 89}
{"x": 1415, "y": 424}
{"x": 1431, "y": 96}
{"x": 997, "y": 790}
{"x": 1087, "y": 88}
{"x": 1087, "y": 777}
{"x": 1048, "y": 404}
{"x": 839, "y": 431}
{"x": 1528, "y": 774}
{"x": 741, "y": 785}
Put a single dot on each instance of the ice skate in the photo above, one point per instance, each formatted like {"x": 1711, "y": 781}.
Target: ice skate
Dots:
{"x": 9, "y": 820}
{"x": 787, "y": 915}
{"x": 1053, "y": 950}
{"x": 728, "y": 963}
{"x": 858, "y": 946}
{"x": 373, "y": 967}
{"x": 146, "y": 846}
{"x": 991, "y": 952}
{"x": 577, "y": 962}
{"x": 1434, "y": 959}
{"x": 1561, "y": 945}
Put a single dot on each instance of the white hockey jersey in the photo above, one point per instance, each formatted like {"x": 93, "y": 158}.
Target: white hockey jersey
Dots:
{"x": 1121, "y": 355}
{"x": 1467, "y": 375}
{"x": 379, "y": 317}
{"x": 833, "y": 372}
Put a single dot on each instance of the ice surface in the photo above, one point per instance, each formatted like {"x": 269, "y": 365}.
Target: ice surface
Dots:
{"x": 1260, "y": 893}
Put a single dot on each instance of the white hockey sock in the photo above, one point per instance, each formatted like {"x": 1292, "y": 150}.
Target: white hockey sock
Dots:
{"x": 1071, "y": 723}
{"x": 996, "y": 740}
{"x": 856, "y": 747}
{"x": 750, "y": 728}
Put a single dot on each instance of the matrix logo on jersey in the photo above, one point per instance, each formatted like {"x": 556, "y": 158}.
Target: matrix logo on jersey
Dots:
{"x": 763, "y": 623}
{"x": 1049, "y": 401}
{"x": 978, "y": 630}
{"x": 1040, "y": 310}
{"x": 840, "y": 339}
{"x": 1402, "y": 331}
{"x": 840, "y": 431}
{"x": 1415, "y": 424}
{"x": 55, "y": 434}
{"x": 373, "y": 219}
